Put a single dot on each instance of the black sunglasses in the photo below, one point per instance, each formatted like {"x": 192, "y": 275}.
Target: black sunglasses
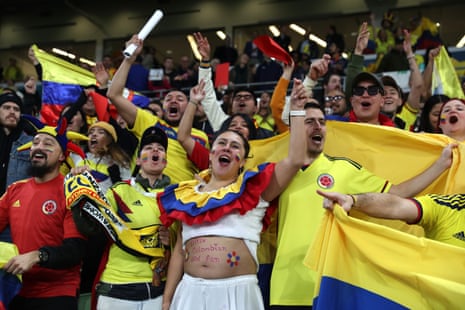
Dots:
{"x": 360, "y": 90}
{"x": 334, "y": 98}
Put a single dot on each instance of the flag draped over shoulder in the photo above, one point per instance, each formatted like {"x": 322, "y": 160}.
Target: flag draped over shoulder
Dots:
{"x": 445, "y": 78}
{"x": 396, "y": 154}
{"x": 61, "y": 84}
{"x": 391, "y": 153}
{"x": 367, "y": 266}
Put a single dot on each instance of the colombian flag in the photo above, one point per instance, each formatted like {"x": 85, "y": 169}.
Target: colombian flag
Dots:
{"x": 62, "y": 83}
{"x": 367, "y": 266}
{"x": 391, "y": 153}
{"x": 396, "y": 154}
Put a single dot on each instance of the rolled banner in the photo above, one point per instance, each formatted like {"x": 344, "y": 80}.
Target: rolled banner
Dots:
{"x": 144, "y": 32}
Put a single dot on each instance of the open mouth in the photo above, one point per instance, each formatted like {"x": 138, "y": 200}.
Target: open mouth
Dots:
{"x": 39, "y": 155}
{"x": 224, "y": 159}
{"x": 453, "y": 119}
{"x": 366, "y": 104}
{"x": 93, "y": 142}
{"x": 317, "y": 138}
{"x": 173, "y": 110}
{"x": 155, "y": 157}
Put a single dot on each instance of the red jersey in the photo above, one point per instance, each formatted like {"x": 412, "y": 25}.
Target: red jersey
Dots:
{"x": 38, "y": 217}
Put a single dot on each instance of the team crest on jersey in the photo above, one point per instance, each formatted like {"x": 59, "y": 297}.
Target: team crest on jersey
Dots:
{"x": 325, "y": 181}
{"x": 49, "y": 207}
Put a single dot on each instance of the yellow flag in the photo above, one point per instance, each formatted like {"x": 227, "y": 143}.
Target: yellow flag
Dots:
{"x": 445, "y": 78}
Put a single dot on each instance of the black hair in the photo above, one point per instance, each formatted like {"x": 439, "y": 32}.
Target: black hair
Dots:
{"x": 313, "y": 105}
{"x": 250, "y": 124}
{"x": 244, "y": 140}
{"x": 245, "y": 89}
{"x": 425, "y": 124}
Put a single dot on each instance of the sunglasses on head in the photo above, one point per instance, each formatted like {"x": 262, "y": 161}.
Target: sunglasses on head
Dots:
{"x": 334, "y": 98}
{"x": 360, "y": 90}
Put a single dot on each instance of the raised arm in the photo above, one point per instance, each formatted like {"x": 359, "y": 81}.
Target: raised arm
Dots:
{"x": 418, "y": 183}
{"x": 416, "y": 80}
{"x": 125, "y": 108}
{"x": 380, "y": 205}
{"x": 428, "y": 72}
{"x": 215, "y": 114}
{"x": 197, "y": 93}
{"x": 317, "y": 70}
{"x": 288, "y": 167}
{"x": 355, "y": 65}
{"x": 278, "y": 99}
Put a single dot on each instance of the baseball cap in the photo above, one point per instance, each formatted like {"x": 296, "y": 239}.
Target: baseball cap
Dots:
{"x": 11, "y": 97}
{"x": 389, "y": 81}
{"x": 154, "y": 134}
{"x": 367, "y": 76}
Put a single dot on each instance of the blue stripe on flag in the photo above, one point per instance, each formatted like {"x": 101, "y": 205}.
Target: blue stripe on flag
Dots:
{"x": 336, "y": 294}
{"x": 60, "y": 93}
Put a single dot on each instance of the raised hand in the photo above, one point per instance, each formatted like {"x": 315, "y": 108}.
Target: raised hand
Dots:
{"x": 319, "y": 67}
{"x": 202, "y": 46}
{"x": 362, "y": 39}
{"x": 197, "y": 93}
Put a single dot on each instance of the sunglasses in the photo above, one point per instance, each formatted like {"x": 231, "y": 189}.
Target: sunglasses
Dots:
{"x": 360, "y": 90}
{"x": 334, "y": 98}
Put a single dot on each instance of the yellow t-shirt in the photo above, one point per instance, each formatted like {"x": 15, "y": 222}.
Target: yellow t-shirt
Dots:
{"x": 299, "y": 214}
{"x": 122, "y": 267}
{"x": 408, "y": 115}
{"x": 443, "y": 218}
{"x": 179, "y": 168}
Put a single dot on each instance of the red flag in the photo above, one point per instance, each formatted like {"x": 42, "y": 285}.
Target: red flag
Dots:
{"x": 222, "y": 74}
{"x": 272, "y": 49}
{"x": 101, "y": 106}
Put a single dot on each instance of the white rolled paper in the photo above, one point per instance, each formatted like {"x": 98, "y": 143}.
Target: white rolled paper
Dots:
{"x": 144, "y": 32}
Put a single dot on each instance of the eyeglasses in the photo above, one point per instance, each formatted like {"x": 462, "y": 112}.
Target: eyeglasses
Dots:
{"x": 360, "y": 90}
{"x": 243, "y": 97}
{"x": 334, "y": 98}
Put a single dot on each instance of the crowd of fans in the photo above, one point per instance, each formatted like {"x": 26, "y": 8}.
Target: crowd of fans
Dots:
{"x": 159, "y": 148}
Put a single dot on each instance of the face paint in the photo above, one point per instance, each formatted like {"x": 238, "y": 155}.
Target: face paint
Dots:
{"x": 163, "y": 160}
{"x": 443, "y": 119}
{"x": 238, "y": 157}
{"x": 233, "y": 259}
{"x": 144, "y": 156}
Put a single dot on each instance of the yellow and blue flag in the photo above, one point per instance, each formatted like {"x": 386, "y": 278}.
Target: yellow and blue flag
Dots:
{"x": 62, "y": 83}
{"x": 363, "y": 265}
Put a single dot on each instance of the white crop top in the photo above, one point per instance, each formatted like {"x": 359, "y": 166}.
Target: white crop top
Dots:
{"x": 247, "y": 227}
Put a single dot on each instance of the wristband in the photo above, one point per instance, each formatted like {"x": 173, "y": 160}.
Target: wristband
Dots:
{"x": 195, "y": 103}
{"x": 410, "y": 56}
{"x": 297, "y": 113}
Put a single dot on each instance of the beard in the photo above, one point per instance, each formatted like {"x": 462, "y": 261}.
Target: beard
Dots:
{"x": 39, "y": 171}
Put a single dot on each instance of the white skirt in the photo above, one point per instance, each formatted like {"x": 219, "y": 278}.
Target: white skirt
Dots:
{"x": 235, "y": 293}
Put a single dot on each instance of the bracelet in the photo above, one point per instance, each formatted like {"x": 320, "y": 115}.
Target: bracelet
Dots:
{"x": 410, "y": 56}
{"x": 297, "y": 113}
{"x": 195, "y": 103}
{"x": 354, "y": 199}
